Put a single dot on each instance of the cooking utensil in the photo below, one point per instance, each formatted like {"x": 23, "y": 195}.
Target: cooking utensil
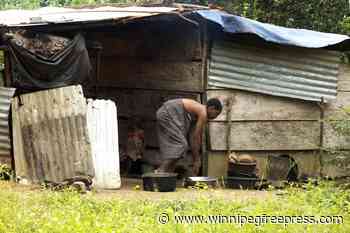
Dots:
{"x": 195, "y": 180}
{"x": 161, "y": 182}
{"x": 241, "y": 182}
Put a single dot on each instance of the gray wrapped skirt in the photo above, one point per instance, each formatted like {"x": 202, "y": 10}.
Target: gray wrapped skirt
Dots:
{"x": 173, "y": 124}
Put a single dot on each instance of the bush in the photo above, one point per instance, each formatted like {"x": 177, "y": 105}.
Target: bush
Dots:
{"x": 5, "y": 172}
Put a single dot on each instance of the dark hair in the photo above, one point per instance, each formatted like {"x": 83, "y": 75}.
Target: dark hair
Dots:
{"x": 214, "y": 102}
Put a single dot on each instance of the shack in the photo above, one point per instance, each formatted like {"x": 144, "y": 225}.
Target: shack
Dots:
{"x": 281, "y": 84}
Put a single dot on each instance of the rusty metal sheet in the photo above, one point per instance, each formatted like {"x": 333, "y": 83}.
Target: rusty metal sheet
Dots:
{"x": 309, "y": 74}
{"x": 50, "y": 135}
{"x": 5, "y": 102}
{"x": 47, "y": 15}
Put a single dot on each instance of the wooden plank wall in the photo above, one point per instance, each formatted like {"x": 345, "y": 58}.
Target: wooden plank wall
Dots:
{"x": 164, "y": 75}
{"x": 266, "y": 135}
{"x": 265, "y": 125}
{"x": 151, "y": 55}
{"x": 262, "y": 122}
{"x": 334, "y": 114}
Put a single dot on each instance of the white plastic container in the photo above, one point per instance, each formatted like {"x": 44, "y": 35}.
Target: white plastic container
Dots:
{"x": 103, "y": 132}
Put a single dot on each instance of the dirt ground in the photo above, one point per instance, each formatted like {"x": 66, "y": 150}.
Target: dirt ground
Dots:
{"x": 129, "y": 191}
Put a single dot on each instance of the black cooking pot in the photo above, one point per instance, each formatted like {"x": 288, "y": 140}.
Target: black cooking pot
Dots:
{"x": 241, "y": 182}
{"x": 161, "y": 182}
{"x": 241, "y": 169}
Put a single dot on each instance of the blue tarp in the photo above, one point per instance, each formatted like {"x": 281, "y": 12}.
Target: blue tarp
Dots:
{"x": 276, "y": 34}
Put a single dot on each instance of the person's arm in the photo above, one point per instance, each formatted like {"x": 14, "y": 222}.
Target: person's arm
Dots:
{"x": 196, "y": 144}
{"x": 196, "y": 138}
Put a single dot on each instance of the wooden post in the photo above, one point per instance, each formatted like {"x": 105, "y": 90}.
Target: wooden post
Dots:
{"x": 205, "y": 52}
{"x": 321, "y": 105}
{"x": 229, "y": 121}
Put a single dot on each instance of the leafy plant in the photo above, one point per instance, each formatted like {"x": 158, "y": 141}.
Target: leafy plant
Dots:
{"x": 60, "y": 212}
{"x": 200, "y": 186}
{"x": 5, "y": 172}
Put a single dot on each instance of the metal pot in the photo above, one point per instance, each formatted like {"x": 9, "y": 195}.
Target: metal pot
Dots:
{"x": 241, "y": 182}
{"x": 161, "y": 182}
{"x": 192, "y": 181}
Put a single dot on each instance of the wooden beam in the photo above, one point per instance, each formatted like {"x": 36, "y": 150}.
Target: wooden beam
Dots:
{"x": 266, "y": 135}
{"x": 253, "y": 106}
{"x": 151, "y": 41}
{"x": 185, "y": 76}
{"x": 141, "y": 103}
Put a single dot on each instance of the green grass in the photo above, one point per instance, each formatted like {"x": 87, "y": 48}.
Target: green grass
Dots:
{"x": 46, "y": 211}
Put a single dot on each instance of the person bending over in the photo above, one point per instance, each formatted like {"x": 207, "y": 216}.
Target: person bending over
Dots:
{"x": 175, "y": 119}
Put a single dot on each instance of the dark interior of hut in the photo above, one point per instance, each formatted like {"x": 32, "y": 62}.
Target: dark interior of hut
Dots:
{"x": 140, "y": 65}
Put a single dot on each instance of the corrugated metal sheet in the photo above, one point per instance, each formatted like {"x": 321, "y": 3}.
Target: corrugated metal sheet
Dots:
{"x": 309, "y": 74}
{"x": 103, "y": 132}
{"x": 50, "y": 135}
{"x": 5, "y": 97}
{"x": 47, "y": 15}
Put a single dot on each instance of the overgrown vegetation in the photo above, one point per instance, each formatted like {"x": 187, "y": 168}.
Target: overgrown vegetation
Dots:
{"x": 319, "y": 15}
{"x": 5, "y": 172}
{"x": 45, "y": 211}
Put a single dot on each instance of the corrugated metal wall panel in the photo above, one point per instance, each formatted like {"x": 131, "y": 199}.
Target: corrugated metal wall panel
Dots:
{"x": 309, "y": 74}
{"x": 103, "y": 131}
{"x": 5, "y": 101}
{"x": 51, "y": 140}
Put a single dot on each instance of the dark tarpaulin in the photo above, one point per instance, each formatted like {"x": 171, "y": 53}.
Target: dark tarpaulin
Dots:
{"x": 33, "y": 71}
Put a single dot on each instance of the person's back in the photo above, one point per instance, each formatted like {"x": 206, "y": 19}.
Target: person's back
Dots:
{"x": 178, "y": 114}
{"x": 173, "y": 124}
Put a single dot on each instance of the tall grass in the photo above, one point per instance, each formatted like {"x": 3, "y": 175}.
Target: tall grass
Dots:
{"x": 51, "y": 212}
